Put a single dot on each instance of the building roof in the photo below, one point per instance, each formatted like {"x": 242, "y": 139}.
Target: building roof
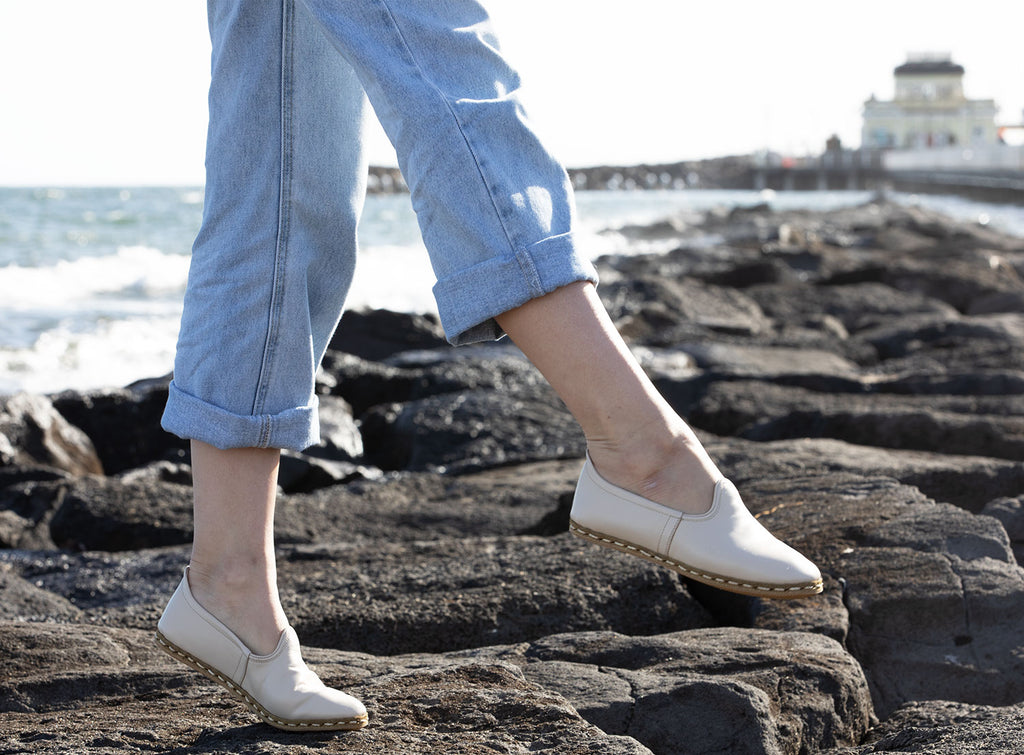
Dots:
{"x": 916, "y": 67}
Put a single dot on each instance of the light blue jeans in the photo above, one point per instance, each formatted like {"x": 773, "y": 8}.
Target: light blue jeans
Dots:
{"x": 285, "y": 183}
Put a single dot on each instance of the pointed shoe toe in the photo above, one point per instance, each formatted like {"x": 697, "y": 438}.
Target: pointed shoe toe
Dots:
{"x": 725, "y": 547}
{"x": 279, "y": 687}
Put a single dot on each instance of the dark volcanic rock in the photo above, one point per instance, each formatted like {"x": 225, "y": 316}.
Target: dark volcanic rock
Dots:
{"x": 662, "y": 311}
{"x": 159, "y": 471}
{"x": 301, "y": 473}
{"x": 959, "y": 280}
{"x": 135, "y": 511}
{"x": 26, "y": 510}
{"x": 773, "y": 363}
{"x": 377, "y": 334}
{"x": 707, "y": 263}
{"x": 111, "y": 515}
{"x": 339, "y": 435}
{"x": 963, "y": 614}
{"x": 991, "y": 342}
{"x": 421, "y": 374}
{"x": 20, "y": 600}
{"x": 861, "y": 371}
{"x": 471, "y": 430}
{"x": 403, "y": 597}
{"x": 1010, "y": 513}
{"x": 857, "y": 306}
{"x": 913, "y": 569}
{"x": 497, "y": 366}
{"x": 825, "y": 615}
{"x": 129, "y": 512}
{"x": 421, "y": 505}
{"x": 754, "y": 691}
{"x": 470, "y": 592}
{"x": 980, "y": 382}
{"x": 970, "y": 482}
{"x": 15, "y": 475}
{"x": 363, "y": 383}
{"x": 113, "y": 690}
{"x": 50, "y": 667}
{"x": 977, "y": 426}
{"x": 948, "y": 728}
{"x": 114, "y": 589}
{"x": 32, "y": 432}
{"x": 124, "y": 425}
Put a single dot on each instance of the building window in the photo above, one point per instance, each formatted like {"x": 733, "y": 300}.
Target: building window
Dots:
{"x": 882, "y": 138}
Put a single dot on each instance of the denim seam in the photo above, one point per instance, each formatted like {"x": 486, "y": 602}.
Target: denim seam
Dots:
{"x": 529, "y": 270}
{"x": 284, "y": 198}
{"x": 451, "y": 111}
{"x": 266, "y": 430}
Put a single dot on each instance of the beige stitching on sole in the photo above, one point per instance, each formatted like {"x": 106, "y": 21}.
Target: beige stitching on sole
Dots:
{"x": 341, "y": 724}
{"x": 715, "y": 580}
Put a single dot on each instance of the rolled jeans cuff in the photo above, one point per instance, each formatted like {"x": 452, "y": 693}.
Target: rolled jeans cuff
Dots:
{"x": 469, "y": 300}
{"x": 189, "y": 417}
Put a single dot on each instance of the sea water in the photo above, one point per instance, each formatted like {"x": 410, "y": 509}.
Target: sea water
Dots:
{"x": 92, "y": 279}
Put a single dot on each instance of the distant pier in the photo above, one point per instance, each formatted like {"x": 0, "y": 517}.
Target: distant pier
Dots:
{"x": 867, "y": 170}
{"x": 852, "y": 170}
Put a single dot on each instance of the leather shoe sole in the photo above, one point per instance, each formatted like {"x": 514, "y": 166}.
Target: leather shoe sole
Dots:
{"x": 700, "y": 575}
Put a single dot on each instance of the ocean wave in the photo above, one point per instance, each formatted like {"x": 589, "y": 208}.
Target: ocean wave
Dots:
{"x": 112, "y": 354}
{"x": 134, "y": 272}
{"x": 393, "y": 277}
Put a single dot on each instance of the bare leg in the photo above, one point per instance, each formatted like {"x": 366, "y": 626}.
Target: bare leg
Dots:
{"x": 233, "y": 573}
{"x": 634, "y": 437}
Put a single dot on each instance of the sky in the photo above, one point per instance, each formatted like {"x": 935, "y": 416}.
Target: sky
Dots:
{"x": 113, "y": 92}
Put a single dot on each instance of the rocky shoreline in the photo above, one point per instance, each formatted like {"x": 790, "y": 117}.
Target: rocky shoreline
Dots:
{"x": 859, "y": 374}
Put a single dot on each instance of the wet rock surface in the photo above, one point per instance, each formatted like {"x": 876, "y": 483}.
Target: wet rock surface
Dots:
{"x": 857, "y": 373}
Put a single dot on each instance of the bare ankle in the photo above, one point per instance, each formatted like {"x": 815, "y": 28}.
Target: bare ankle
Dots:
{"x": 243, "y": 595}
{"x": 668, "y": 466}
{"x": 642, "y": 451}
{"x": 244, "y": 573}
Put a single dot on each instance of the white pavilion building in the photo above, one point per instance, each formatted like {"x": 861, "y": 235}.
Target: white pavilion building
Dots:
{"x": 929, "y": 110}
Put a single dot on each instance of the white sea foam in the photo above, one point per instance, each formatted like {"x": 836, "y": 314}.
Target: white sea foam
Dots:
{"x": 114, "y": 353}
{"x": 136, "y": 271}
{"x": 393, "y": 277}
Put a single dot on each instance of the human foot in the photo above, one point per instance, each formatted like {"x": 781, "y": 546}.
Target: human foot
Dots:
{"x": 277, "y": 686}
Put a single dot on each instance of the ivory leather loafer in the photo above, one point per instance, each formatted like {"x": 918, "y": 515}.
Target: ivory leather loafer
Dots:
{"x": 725, "y": 547}
{"x": 279, "y": 688}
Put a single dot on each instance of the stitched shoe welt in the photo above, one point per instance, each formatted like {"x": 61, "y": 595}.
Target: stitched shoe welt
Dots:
{"x": 279, "y": 687}
{"x": 725, "y": 547}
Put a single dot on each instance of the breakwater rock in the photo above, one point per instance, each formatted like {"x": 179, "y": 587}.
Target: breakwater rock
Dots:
{"x": 858, "y": 373}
